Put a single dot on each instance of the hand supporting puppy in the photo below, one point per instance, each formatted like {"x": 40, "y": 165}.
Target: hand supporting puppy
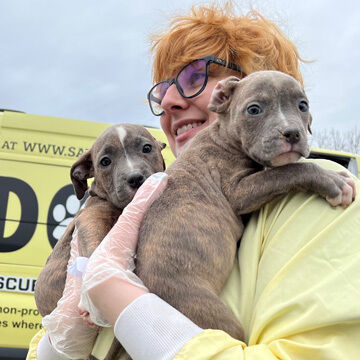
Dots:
{"x": 68, "y": 333}
{"x": 109, "y": 283}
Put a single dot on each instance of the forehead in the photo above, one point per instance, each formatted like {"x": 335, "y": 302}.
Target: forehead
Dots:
{"x": 271, "y": 83}
{"x": 121, "y": 136}
{"x": 171, "y": 71}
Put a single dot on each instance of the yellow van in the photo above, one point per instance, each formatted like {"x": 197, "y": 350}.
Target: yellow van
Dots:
{"x": 36, "y": 204}
{"x": 348, "y": 160}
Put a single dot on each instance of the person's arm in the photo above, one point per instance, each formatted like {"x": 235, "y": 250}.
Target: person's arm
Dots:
{"x": 67, "y": 336}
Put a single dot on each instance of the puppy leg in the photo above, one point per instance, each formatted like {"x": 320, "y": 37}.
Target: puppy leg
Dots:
{"x": 93, "y": 224}
{"x": 202, "y": 306}
{"x": 206, "y": 310}
{"x": 51, "y": 281}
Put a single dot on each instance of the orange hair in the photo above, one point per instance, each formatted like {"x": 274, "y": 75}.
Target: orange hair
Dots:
{"x": 250, "y": 41}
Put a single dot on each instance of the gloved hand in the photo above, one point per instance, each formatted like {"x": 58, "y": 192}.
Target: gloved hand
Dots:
{"x": 114, "y": 257}
{"x": 68, "y": 333}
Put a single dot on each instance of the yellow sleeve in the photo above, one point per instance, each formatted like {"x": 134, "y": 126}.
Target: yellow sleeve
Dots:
{"x": 32, "y": 353}
{"x": 295, "y": 286}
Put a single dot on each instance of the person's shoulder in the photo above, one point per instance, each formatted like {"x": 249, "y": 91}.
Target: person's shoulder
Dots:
{"x": 327, "y": 164}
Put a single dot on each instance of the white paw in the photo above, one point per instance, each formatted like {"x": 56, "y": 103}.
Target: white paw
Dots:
{"x": 347, "y": 195}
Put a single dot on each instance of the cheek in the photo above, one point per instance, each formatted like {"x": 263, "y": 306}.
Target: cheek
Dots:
{"x": 205, "y": 99}
{"x": 212, "y": 117}
{"x": 203, "y": 105}
{"x": 165, "y": 124}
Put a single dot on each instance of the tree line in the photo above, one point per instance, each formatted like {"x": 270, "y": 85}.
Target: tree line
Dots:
{"x": 341, "y": 140}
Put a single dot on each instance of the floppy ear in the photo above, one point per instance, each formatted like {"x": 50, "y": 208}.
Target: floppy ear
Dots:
{"x": 309, "y": 124}
{"x": 161, "y": 144}
{"x": 81, "y": 171}
{"x": 222, "y": 94}
{"x": 162, "y": 147}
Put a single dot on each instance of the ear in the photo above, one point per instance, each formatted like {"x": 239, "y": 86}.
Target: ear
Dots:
{"x": 81, "y": 171}
{"x": 162, "y": 147}
{"x": 161, "y": 144}
{"x": 309, "y": 124}
{"x": 164, "y": 165}
{"x": 222, "y": 94}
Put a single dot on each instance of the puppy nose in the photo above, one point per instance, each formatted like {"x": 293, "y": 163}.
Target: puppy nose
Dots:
{"x": 292, "y": 136}
{"x": 135, "y": 179}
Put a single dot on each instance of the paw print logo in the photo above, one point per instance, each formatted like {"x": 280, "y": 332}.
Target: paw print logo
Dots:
{"x": 62, "y": 210}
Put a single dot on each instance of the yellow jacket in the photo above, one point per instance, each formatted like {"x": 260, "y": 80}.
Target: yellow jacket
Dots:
{"x": 295, "y": 286}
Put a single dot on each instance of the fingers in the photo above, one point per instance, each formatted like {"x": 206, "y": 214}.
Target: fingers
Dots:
{"x": 133, "y": 214}
{"x": 74, "y": 250}
{"x": 144, "y": 197}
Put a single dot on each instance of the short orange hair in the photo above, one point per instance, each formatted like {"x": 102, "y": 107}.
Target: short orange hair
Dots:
{"x": 250, "y": 41}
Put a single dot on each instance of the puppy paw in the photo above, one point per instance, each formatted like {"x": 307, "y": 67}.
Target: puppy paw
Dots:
{"x": 345, "y": 188}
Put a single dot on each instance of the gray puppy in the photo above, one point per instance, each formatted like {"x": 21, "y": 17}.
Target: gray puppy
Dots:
{"x": 243, "y": 160}
{"x": 120, "y": 160}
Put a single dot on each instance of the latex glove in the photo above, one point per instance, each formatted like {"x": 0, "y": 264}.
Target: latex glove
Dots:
{"x": 68, "y": 333}
{"x": 114, "y": 257}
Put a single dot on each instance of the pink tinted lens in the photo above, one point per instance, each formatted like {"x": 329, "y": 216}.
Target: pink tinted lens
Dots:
{"x": 192, "y": 77}
{"x": 157, "y": 95}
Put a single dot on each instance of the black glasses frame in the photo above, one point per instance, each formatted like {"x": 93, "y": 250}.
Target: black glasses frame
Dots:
{"x": 211, "y": 59}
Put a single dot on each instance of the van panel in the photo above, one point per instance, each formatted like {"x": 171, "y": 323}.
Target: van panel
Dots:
{"x": 19, "y": 317}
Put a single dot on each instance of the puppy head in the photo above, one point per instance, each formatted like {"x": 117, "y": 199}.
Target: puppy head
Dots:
{"x": 266, "y": 114}
{"x": 120, "y": 160}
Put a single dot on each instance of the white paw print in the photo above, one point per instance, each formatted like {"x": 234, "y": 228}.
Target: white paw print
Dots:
{"x": 64, "y": 214}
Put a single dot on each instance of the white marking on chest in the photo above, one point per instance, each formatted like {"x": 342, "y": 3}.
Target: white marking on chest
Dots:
{"x": 122, "y": 135}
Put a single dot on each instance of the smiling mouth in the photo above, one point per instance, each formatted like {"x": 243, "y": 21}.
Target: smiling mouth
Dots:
{"x": 187, "y": 127}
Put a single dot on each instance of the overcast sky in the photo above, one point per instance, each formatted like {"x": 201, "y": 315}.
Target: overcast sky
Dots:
{"x": 90, "y": 60}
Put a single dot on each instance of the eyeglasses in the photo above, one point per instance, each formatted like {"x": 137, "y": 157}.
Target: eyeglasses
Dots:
{"x": 190, "y": 81}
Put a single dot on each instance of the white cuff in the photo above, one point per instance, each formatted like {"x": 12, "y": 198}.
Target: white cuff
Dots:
{"x": 150, "y": 328}
{"x": 45, "y": 350}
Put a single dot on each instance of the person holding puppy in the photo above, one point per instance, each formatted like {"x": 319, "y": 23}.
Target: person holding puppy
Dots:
{"x": 294, "y": 286}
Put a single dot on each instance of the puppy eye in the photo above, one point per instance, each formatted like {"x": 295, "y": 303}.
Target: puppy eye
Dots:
{"x": 146, "y": 148}
{"x": 105, "y": 161}
{"x": 303, "y": 106}
{"x": 254, "y": 110}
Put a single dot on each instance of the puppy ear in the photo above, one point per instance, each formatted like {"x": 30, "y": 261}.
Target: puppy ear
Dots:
{"x": 222, "y": 94}
{"x": 162, "y": 147}
{"x": 309, "y": 124}
{"x": 161, "y": 144}
{"x": 81, "y": 171}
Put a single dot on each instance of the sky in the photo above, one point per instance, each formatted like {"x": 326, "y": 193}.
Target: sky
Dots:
{"x": 90, "y": 60}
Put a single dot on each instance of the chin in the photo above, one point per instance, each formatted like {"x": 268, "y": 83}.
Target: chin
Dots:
{"x": 285, "y": 158}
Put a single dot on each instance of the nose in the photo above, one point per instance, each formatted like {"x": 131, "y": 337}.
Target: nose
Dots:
{"x": 292, "y": 135}
{"x": 173, "y": 100}
{"x": 135, "y": 179}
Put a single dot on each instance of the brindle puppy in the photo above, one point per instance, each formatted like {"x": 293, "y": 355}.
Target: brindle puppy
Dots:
{"x": 246, "y": 158}
{"x": 120, "y": 160}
